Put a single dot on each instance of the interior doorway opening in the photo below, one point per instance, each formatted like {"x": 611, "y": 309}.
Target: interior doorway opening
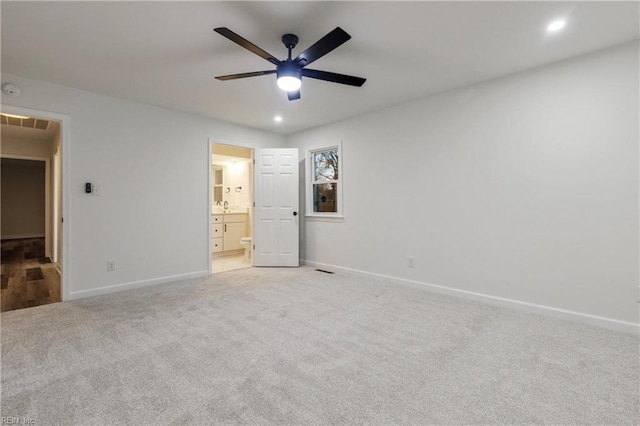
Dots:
{"x": 31, "y": 210}
{"x": 231, "y": 195}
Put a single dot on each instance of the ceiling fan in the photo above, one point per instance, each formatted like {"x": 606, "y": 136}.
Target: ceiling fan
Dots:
{"x": 290, "y": 71}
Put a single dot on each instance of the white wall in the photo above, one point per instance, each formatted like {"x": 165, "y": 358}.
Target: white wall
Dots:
{"x": 152, "y": 165}
{"x": 524, "y": 187}
{"x": 238, "y": 174}
{"x": 23, "y": 199}
{"x": 236, "y": 163}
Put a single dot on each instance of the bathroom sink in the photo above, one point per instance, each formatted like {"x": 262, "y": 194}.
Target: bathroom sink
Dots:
{"x": 220, "y": 210}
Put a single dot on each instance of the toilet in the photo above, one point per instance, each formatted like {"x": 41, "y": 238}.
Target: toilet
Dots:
{"x": 246, "y": 243}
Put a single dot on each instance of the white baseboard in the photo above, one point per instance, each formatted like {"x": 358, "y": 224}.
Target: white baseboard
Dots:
{"x": 22, "y": 236}
{"x": 604, "y": 322}
{"x": 134, "y": 284}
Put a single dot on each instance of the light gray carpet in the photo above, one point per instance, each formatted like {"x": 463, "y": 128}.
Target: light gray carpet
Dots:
{"x": 295, "y": 346}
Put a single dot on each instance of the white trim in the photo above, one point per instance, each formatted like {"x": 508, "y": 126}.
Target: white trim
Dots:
{"x": 135, "y": 284}
{"x": 55, "y": 189}
{"x": 610, "y": 323}
{"x": 210, "y": 143}
{"x": 316, "y": 218}
{"x": 65, "y": 145}
{"x": 22, "y": 236}
{"x": 252, "y": 183}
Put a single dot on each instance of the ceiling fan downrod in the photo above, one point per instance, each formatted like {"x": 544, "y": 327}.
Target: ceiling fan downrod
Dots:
{"x": 290, "y": 41}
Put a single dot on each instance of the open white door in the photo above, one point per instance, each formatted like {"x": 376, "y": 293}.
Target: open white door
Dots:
{"x": 276, "y": 220}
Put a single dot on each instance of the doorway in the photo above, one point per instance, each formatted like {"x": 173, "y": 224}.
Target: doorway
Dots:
{"x": 231, "y": 194}
{"x": 267, "y": 211}
{"x": 31, "y": 166}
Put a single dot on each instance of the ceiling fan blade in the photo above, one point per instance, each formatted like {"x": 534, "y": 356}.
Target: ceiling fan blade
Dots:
{"x": 334, "y": 77}
{"x": 226, "y": 32}
{"x": 293, "y": 95}
{"x": 323, "y": 46}
{"x": 244, "y": 75}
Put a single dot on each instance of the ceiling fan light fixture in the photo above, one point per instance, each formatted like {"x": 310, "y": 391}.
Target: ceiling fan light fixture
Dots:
{"x": 289, "y": 76}
{"x": 289, "y": 83}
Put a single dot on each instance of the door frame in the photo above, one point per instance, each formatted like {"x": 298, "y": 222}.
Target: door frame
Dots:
{"x": 65, "y": 145}
{"x": 210, "y": 143}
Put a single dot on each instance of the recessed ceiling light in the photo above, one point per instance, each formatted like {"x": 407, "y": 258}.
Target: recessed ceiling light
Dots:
{"x": 556, "y": 26}
{"x": 277, "y": 119}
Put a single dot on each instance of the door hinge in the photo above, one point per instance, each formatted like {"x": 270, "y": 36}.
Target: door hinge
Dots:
{"x": 254, "y": 204}
{"x": 62, "y": 220}
{"x": 254, "y": 246}
{"x": 254, "y": 162}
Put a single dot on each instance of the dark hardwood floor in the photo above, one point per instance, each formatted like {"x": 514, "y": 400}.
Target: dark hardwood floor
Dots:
{"x": 28, "y": 277}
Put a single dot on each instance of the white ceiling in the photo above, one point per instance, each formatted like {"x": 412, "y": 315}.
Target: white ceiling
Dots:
{"x": 166, "y": 53}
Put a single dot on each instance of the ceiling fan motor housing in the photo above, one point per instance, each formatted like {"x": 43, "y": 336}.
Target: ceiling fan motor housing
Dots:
{"x": 290, "y": 40}
{"x": 289, "y": 69}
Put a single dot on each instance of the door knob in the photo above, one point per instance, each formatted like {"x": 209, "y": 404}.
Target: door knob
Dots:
{"x": 295, "y": 213}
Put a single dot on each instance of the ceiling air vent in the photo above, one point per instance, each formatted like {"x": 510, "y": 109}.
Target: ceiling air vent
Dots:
{"x": 30, "y": 123}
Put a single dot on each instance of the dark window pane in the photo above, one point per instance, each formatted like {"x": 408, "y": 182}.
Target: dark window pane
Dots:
{"x": 325, "y": 198}
{"x": 325, "y": 165}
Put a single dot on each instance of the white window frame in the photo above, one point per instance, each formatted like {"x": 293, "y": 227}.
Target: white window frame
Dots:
{"x": 310, "y": 214}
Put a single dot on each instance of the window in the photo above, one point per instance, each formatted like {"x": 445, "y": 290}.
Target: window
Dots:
{"x": 324, "y": 191}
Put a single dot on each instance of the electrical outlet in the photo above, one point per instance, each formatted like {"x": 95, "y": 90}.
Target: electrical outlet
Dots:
{"x": 111, "y": 265}
{"x": 411, "y": 262}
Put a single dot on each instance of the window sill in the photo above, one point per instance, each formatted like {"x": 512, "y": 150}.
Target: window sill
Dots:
{"x": 323, "y": 218}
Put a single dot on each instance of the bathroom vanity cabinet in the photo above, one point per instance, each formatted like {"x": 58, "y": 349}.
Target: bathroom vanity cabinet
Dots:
{"x": 227, "y": 230}
{"x": 217, "y": 233}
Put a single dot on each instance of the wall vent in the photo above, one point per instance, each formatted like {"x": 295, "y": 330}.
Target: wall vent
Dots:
{"x": 27, "y": 122}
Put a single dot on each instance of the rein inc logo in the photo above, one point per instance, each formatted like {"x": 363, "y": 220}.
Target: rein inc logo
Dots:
{"x": 10, "y": 420}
